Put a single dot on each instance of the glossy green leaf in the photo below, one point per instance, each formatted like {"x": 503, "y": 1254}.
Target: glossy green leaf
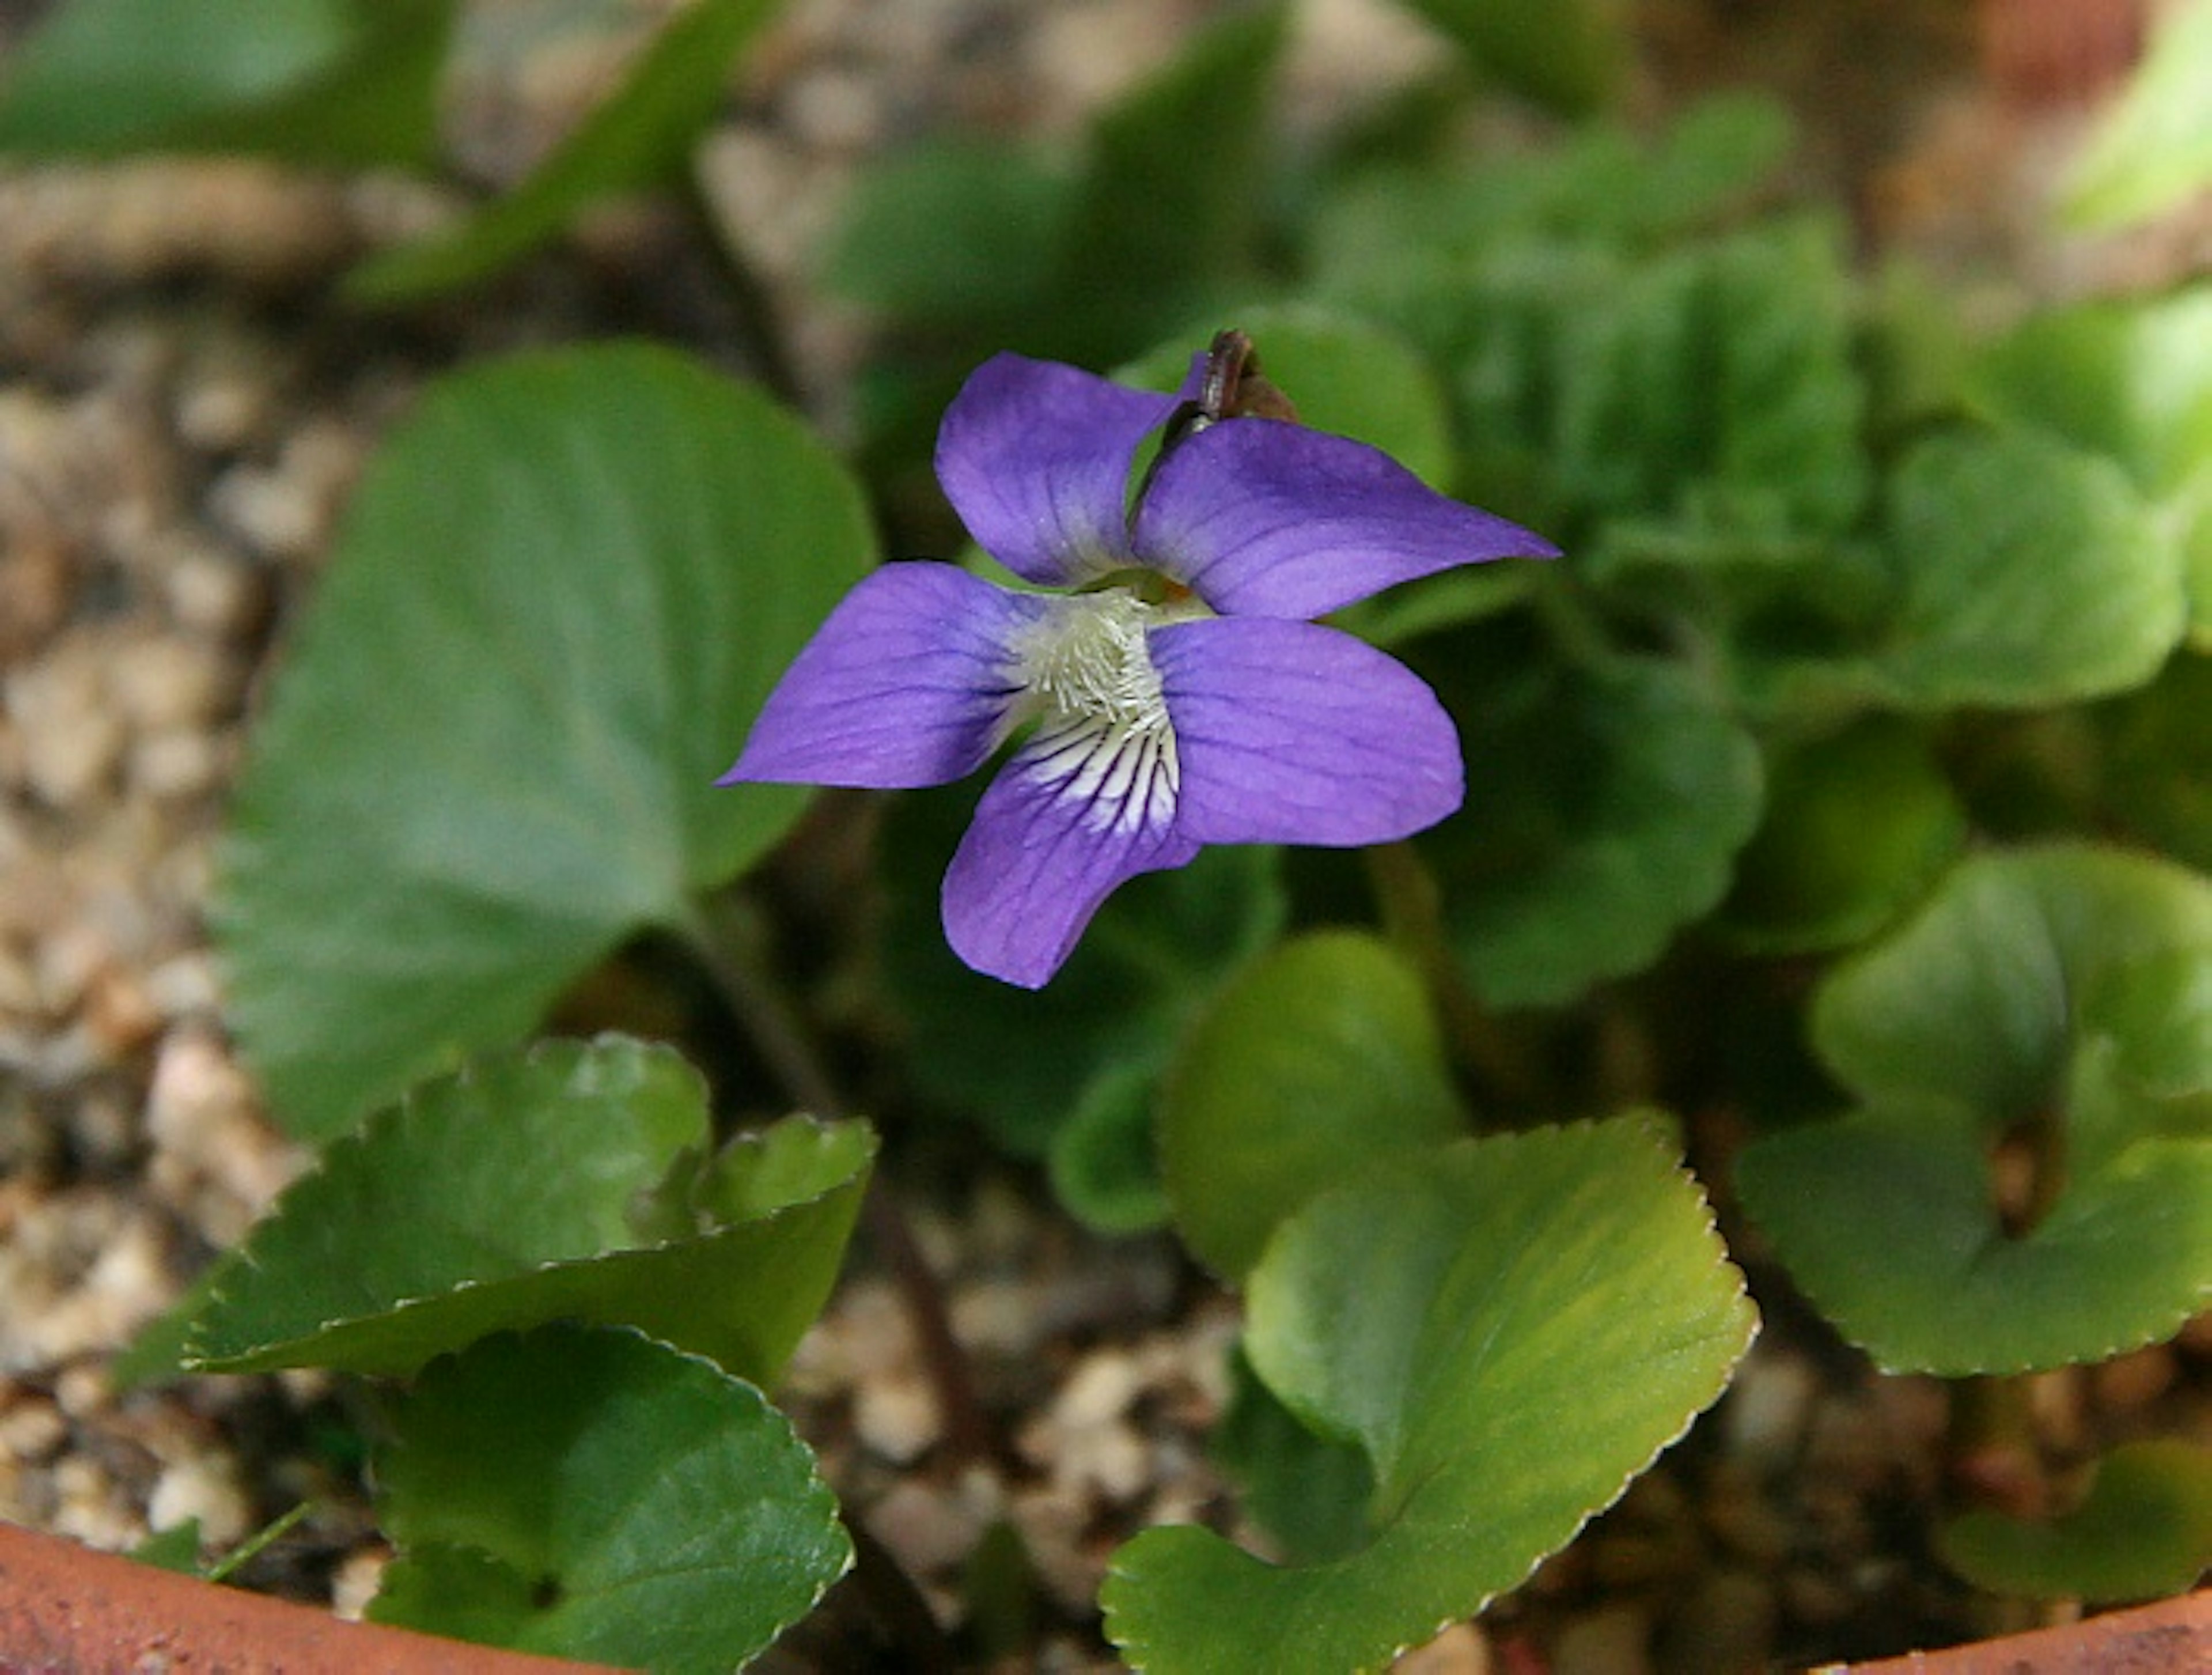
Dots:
{"x": 1342, "y": 374}
{"x": 2143, "y": 1531}
{"x": 339, "y": 82}
{"x": 1510, "y": 1328}
{"x": 1569, "y": 55}
{"x": 585, "y": 1492}
{"x": 523, "y": 1191}
{"x": 1318, "y": 1061}
{"x": 1022, "y": 1063}
{"x": 2058, "y": 993}
{"x": 2029, "y": 574}
{"x": 2154, "y": 150}
{"x": 1858, "y": 825}
{"x": 1604, "y": 811}
{"x": 561, "y": 593}
{"x": 640, "y": 137}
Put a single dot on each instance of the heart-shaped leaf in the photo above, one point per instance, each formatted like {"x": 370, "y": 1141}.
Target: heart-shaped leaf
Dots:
{"x": 2054, "y": 995}
{"x": 585, "y": 1492}
{"x": 564, "y": 589}
{"x": 1511, "y": 1329}
{"x": 2143, "y": 1531}
{"x": 1604, "y": 811}
{"x": 531, "y": 1188}
{"x": 1318, "y": 1060}
{"x": 642, "y": 135}
{"x": 333, "y": 81}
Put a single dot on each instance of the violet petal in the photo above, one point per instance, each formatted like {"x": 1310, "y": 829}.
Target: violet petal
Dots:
{"x": 1293, "y": 733}
{"x": 1040, "y": 858}
{"x": 1263, "y": 518}
{"x": 1035, "y": 456}
{"x": 906, "y": 683}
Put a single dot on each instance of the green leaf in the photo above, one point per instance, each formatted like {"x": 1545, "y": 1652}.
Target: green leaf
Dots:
{"x": 177, "y": 1548}
{"x": 1023, "y": 1063}
{"x": 2154, "y": 150}
{"x": 1318, "y": 1061}
{"x": 347, "y": 83}
{"x": 2029, "y": 575}
{"x": 1714, "y": 389}
{"x": 564, "y": 589}
{"x": 1858, "y": 825}
{"x": 953, "y": 230}
{"x": 2058, "y": 993}
{"x": 521, "y": 1192}
{"x": 2133, "y": 379}
{"x": 1567, "y": 55}
{"x": 640, "y": 137}
{"x": 1101, "y": 1160}
{"x": 588, "y": 1493}
{"x": 1510, "y": 1328}
{"x": 1310, "y": 1493}
{"x": 2144, "y": 1531}
{"x": 1604, "y": 809}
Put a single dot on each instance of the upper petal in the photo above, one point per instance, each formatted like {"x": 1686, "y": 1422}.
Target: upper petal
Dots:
{"x": 1035, "y": 456}
{"x": 1073, "y": 816}
{"x": 1263, "y": 518}
{"x": 1291, "y": 733}
{"x": 906, "y": 683}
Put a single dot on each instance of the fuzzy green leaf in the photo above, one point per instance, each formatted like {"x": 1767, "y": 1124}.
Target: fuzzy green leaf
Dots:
{"x": 531, "y": 1188}
{"x": 561, "y": 593}
{"x": 1857, "y": 825}
{"x": 588, "y": 1493}
{"x": 2030, "y": 574}
{"x": 1510, "y": 1328}
{"x": 1604, "y": 811}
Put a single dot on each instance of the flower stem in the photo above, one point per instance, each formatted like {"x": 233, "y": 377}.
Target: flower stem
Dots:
{"x": 1412, "y": 907}
{"x": 764, "y": 1016}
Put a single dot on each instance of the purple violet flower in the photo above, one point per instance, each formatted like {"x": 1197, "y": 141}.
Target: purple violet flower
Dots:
{"x": 1179, "y": 693}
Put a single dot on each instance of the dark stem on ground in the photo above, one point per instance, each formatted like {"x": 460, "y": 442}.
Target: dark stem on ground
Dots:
{"x": 767, "y": 1020}
{"x": 1411, "y": 909}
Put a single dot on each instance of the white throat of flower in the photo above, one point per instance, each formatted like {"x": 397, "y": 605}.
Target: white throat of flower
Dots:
{"x": 1102, "y": 736}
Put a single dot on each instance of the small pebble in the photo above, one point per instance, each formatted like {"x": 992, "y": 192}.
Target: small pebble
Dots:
{"x": 896, "y": 1417}
{"x": 205, "y": 1487}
